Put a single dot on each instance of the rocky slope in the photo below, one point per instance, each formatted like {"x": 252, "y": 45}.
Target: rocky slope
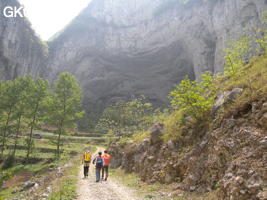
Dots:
{"x": 230, "y": 158}
{"x": 21, "y": 51}
{"x": 118, "y": 49}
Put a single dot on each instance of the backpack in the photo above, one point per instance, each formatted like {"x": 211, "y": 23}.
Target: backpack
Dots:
{"x": 106, "y": 158}
{"x": 87, "y": 157}
{"x": 99, "y": 162}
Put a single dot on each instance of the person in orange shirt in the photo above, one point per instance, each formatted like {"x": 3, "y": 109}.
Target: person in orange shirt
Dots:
{"x": 106, "y": 157}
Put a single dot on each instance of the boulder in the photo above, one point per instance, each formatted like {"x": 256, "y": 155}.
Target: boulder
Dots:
{"x": 14, "y": 192}
{"x": 156, "y": 132}
{"x": 226, "y": 98}
{"x": 28, "y": 185}
{"x": 44, "y": 195}
{"x": 151, "y": 158}
{"x": 37, "y": 136}
{"x": 264, "y": 107}
{"x": 170, "y": 145}
{"x": 192, "y": 188}
{"x": 49, "y": 189}
{"x": 146, "y": 142}
{"x": 168, "y": 178}
{"x": 263, "y": 120}
{"x": 255, "y": 107}
{"x": 263, "y": 142}
{"x": 262, "y": 195}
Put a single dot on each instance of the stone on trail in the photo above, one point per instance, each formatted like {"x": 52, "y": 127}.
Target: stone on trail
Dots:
{"x": 45, "y": 195}
{"x": 28, "y": 185}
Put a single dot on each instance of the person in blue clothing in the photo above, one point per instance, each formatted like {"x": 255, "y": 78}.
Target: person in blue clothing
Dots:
{"x": 99, "y": 162}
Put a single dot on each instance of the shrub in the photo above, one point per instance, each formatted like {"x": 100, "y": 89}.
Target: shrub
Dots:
{"x": 174, "y": 125}
{"x": 195, "y": 98}
{"x": 236, "y": 56}
{"x": 4, "y": 175}
{"x": 9, "y": 162}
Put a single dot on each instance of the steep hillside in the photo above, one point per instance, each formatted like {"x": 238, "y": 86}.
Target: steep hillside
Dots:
{"x": 222, "y": 155}
{"x": 21, "y": 51}
{"x": 119, "y": 49}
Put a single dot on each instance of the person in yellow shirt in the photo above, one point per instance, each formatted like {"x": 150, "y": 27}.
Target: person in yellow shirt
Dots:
{"x": 86, "y": 162}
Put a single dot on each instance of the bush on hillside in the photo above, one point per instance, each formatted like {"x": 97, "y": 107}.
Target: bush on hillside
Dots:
{"x": 194, "y": 98}
{"x": 9, "y": 162}
{"x": 236, "y": 56}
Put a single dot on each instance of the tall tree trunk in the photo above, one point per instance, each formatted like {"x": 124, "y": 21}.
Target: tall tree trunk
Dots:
{"x": 59, "y": 138}
{"x": 29, "y": 147}
{"x": 5, "y": 131}
{"x": 17, "y": 135}
{"x": 61, "y": 124}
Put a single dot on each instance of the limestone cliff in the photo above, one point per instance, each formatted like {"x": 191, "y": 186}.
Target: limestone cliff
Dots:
{"x": 21, "y": 51}
{"x": 118, "y": 49}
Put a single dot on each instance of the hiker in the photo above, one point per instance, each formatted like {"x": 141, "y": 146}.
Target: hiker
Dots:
{"x": 86, "y": 162}
{"x": 98, "y": 161}
{"x": 106, "y": 159}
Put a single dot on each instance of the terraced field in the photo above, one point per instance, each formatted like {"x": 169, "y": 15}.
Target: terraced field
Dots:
{"x": 44, "y": 147}
{"x": 42, "y": 159}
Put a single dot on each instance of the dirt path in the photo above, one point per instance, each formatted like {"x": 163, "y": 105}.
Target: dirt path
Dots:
{"x": 88, "y": 189}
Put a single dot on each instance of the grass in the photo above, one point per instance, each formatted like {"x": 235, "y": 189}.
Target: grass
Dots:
{"x": 252, "y": 78}
{"x": 36, "y": 154}
{"x": 6, "y": 193}
{"x": 131, "y": 180}
{"x": 41, "y": 167}
{"x": 65, "y": 187}
{"x": 40, "y": 146}
{"x": 155, "y": 191}
{"x": 140, "y": 136}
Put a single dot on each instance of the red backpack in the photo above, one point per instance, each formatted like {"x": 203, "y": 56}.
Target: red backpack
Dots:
{"x": 106, "y": 158}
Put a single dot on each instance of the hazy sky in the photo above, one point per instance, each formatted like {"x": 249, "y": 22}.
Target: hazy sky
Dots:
{"x": 50, "y": 16}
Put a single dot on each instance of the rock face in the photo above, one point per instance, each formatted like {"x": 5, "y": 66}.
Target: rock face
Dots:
{"x": 119, "y": 49}
{"x": 231, "y": 158}
{"x": 21, "y": 51}
{"x": 226, "y": 98}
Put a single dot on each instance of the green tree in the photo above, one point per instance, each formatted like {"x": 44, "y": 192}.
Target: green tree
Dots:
{"x": 21, "y": 107}
{"x": 124, "y": 118}
{"x": 236, "y": 55}
{"x": 36, "y": 97}
{"x": 194, "y": 98}
{"x": 11, "y": 95}
{"x": 66, "y": 104}
{"x": 112, "y": 119}
{"x": 136, "y": 112}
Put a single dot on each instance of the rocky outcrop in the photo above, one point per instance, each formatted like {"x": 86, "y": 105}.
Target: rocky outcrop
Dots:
{"x": 231, "y": 158}
{"x": 119, "y": 49}
{"x": 21, "y": 51}
{"x": 225, "y": 98}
